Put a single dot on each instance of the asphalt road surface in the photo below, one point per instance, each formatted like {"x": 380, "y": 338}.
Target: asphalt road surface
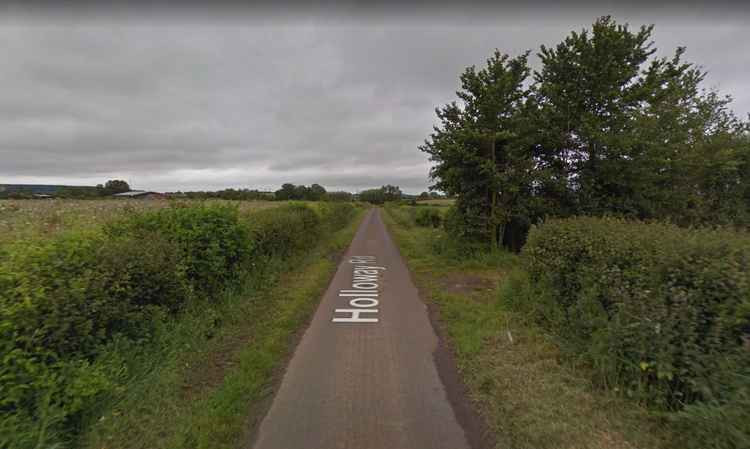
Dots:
{"x": 364, "y": 376}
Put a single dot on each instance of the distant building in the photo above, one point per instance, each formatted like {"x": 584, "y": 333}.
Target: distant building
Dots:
{"x": 141, "y": 194}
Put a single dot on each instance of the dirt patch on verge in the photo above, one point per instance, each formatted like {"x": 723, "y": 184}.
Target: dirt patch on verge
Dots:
{"x": 462, "y": 283}
{"x": 209, "y": 372}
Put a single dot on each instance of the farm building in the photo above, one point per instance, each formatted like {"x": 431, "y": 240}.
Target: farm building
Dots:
{"x": 140, "y": 194}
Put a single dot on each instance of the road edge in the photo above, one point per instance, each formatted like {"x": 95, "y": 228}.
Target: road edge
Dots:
{"x": 258, "y": 410}
{"x": 476, "y": 430}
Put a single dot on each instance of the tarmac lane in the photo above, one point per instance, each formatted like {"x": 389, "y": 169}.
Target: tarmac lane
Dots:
{"x": 363, "y": 375}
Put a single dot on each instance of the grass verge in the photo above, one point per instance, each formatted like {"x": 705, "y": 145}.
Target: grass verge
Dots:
{"x": 201, "y": 383}
{"x": 513, "y": 371}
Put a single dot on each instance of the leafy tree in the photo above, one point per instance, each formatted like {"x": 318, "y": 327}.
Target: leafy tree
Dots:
{"x": 374, "y": 196}
{"x": 316, "y": 192}
{"x": 604, "y": 129}
{"x": 116, "y": 186}
{"x": 424, "y": 196}
{"x": 286, "y": 192}
{"x": 391, "y": 193}
{"x": 626, "y": 134}
{"x": 475, "y": 148}
{"x": 301, "y": 192}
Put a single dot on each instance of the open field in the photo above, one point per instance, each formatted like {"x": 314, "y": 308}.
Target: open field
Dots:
{"x": 513, "y": 370}
{"x": 36, "y": 218}
{"x": 441, "y": 202}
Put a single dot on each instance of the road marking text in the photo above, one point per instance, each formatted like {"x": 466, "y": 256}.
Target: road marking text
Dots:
{"x": 364, "y": 292}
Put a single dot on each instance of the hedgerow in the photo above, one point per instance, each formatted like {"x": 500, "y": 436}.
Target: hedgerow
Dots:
{"x": 428, "y": 217}
{"x": 63, "y": 300}
{"x": 410, "y": 216}
{"x": 659, "y": 311}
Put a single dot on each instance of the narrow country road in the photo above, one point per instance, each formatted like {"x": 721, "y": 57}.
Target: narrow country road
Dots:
{"x": 363, "y": 375}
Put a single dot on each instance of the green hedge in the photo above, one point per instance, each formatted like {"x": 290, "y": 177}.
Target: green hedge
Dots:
{"x": 62, "y": 300}
{"x": 659, "y": 311}
{"x": 428, "y": 217}
{"x": 410, "y": 216}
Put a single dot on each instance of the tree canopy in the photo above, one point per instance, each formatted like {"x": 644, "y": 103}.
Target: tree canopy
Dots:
{"x": 381, "y": 195}
{"x": 602, "y": 128}
{"x": 289, "y": 191}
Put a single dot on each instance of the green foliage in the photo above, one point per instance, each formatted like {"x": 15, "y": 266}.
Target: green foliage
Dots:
{"x": 428, "y": 217}
{"x": 338, "y": 196}
{"x": 381, "y": 195}
{"x": 336, "y": 215}
{"x": 659, "y": 311}
{"x": 476, "y": 152}
{"x": 288, "y": 191}
{"x": 116, "y": 186}
{"x": 229, "y": 194}
{"x": 605, "y": 128}
{"x": 65, "y": 299}
{"x": 212, "y": 242}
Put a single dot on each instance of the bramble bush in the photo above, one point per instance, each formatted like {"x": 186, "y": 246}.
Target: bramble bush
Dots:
{"x": 659, "y": 311}
{"x": 62, "y": 300}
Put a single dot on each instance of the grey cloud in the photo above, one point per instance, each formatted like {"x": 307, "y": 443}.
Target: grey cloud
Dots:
{"x": 188, "y": 104}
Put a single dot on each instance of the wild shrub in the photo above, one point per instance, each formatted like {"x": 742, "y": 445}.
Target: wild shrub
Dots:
{"x": 403, "y": 215}
{"x": 428, "y": 217}
{"x": 660, "y": 311}
{"x": 335, "y": 215}
{"x": 279, "y": 232}
{"x": 212, "y": 241}
{"x": 60, "y": 301}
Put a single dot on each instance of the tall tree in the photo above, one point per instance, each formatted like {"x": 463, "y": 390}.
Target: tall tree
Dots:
{"x": 476, "y": 146}
{"x": 620, "y": 132}
{"x": 605, "y": 128}
{"x": 391, "y": 193}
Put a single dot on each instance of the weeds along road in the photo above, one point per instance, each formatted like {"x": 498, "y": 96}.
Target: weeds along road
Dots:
{"x": 363, "y": 375}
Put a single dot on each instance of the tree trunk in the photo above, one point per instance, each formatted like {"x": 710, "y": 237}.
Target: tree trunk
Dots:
{"x": 493, "y": 224}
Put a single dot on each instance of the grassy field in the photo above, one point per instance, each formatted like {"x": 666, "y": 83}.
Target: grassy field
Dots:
{"x": 37, "y": 218}
{"x": 440, "y": 202}
{"x": 513, "y": 371}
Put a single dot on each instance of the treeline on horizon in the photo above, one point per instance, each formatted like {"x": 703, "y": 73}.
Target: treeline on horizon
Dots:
{"x": 287, "y": 192}
{"x": 603, "y": 127}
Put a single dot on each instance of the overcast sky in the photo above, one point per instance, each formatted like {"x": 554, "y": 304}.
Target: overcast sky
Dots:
{"x": 257, "y": 97}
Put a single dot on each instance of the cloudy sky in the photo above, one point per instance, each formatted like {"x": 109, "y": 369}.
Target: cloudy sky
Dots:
{"x": 258, "y": 97}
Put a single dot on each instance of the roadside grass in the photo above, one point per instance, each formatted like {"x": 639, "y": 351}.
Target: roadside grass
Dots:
{"x": 528, "y": 394}
{"x": 204, "y": 382}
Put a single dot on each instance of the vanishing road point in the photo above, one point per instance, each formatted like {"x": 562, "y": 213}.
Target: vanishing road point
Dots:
{"x": 363, "y": 375}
